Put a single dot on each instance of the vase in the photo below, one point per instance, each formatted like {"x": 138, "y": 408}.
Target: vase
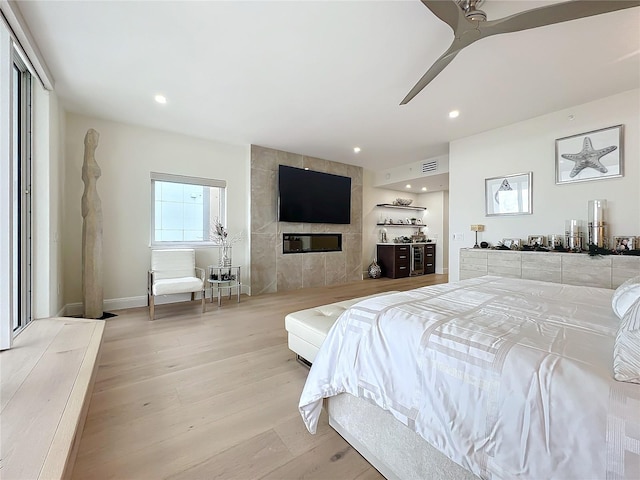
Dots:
{"x": 374, "y": 270}
{"x": 225, "y": 256}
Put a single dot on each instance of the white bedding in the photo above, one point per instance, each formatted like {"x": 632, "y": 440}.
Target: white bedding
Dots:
{"x": 509, "y": 378}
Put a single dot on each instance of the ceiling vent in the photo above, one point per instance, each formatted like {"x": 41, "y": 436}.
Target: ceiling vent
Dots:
{"x": 431, "y": 166}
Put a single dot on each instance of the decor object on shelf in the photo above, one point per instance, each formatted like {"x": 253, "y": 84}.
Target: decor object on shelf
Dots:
{"x": 536, "y": 241}
{"x": 511, "y": 243}
{"x": 220, "y": 237}
{"x": 597, "y": 227}
{"x": 402, "y": 240}
{"x": 594, "y": 155}
{"x": 477, "y": 228}
{"x": 225, "y": 256}
{"x": 508, "y": 195}
{"x": 374, "y": 270}
{"x": 404, "y": 202}
{"x": 484, "y": 245}
{"x": 383, "y": 235}
{"x": 595, "y": 251}
{"x": 556, "y": 241}
{"x": 92, "y": 280}
{"x": 395, "y": 205}
{"x": 419, "y": 237}
{"x": 624, "y": 244}
{"x": 573, "y": 233}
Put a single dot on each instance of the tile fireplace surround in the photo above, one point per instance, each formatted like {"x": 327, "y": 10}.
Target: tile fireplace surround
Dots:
{"x": 271, "y": 269}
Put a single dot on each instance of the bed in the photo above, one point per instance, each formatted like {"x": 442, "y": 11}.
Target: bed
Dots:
{"x": 489, "y": 378}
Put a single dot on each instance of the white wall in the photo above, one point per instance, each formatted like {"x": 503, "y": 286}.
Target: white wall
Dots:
{"x": 47, "y": 196}
{"x": 436, "y": 220}
{"x": 127, "y": 154}
{"x": 530, "y": 146}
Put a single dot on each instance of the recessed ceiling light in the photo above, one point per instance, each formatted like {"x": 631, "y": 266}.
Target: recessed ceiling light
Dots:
{"x": 408, "y": 185}
{"x": 160, "y": 99}
{"x": 454, "y": 114}
{"x": 356, "y": 149}
{"x": 424, "y": 189}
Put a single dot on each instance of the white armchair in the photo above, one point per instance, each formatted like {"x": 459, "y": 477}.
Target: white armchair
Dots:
{"x": 174, "y": 271}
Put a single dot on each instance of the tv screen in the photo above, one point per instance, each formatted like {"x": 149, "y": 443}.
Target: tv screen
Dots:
{"x": 313, "y": 197}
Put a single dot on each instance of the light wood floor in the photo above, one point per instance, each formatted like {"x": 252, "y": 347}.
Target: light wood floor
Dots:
{"x": 214, "y": 395}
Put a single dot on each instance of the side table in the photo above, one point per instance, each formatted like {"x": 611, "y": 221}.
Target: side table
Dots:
{"x": 222, "y": 278}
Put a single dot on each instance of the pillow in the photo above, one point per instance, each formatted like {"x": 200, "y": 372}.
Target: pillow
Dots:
{"x": 626, "y": 350}
{"x": 625, "y": 295}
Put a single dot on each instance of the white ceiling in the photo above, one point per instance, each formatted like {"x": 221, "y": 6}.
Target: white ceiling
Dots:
{"x": 318, "y": 78}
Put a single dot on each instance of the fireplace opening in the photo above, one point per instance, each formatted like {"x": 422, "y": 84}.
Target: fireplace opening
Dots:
{"x": 311, "y": 242}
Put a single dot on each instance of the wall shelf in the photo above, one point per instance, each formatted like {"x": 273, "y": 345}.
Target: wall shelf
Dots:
{"x": 403, "y": 207}
{"x": 405, "y": 225}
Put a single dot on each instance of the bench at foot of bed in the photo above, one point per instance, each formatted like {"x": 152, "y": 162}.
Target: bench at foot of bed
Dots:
{"x": 308, "y": 328}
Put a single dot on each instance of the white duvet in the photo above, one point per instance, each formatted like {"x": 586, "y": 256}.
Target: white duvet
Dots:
{"x": 508, "y": 378}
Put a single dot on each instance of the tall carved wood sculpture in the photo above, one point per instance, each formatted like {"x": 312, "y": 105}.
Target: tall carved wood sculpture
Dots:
{"x": 91, "y": 230}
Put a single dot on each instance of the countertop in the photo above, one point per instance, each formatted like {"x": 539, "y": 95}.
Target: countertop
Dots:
{"x": 407, "y": 243}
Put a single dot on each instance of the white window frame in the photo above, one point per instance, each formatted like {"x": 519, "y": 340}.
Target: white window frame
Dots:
{"x": 185, "y": 180}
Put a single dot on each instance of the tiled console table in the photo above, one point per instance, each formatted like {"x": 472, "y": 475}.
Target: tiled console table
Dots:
{"x": 607, "y": 271}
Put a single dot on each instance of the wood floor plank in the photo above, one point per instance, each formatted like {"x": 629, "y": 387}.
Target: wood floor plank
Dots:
{"x": 250, "y": 459}
{"x": 333, "y": 458}
{"x": 214, "y": 395}
{"x": 178, "y": 418}
{"x": 295, "y": 436}
{"x": 109, "y": 376}
{"x": 141, "y": 402}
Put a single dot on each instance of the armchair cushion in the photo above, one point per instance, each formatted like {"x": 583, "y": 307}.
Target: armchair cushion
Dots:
{"x": 177, "y": 285}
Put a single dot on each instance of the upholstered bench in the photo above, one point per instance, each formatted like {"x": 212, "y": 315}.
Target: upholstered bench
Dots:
{"x": 308, "y": 328}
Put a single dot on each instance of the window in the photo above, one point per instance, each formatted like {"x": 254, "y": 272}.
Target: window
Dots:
{"x": 184, "y": 209}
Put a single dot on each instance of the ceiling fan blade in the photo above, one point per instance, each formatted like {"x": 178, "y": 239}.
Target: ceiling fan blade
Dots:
{"x": 439, "y": 65}
{"x": 446, "y": 10}
{"x": 551, "y": 14}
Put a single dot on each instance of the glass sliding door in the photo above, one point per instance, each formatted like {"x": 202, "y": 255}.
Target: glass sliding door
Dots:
{"x": 21, "y": 193}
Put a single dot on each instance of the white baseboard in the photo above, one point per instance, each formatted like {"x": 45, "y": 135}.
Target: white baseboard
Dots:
{"x": 76, "y": 309}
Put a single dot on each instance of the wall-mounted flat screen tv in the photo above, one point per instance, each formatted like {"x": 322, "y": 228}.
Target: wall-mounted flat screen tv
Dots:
{"x": 313, "y": 197}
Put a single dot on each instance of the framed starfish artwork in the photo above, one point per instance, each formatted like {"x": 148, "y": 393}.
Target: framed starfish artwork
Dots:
{"x": 594, "y": 155}
{"x": 508, "y": 195}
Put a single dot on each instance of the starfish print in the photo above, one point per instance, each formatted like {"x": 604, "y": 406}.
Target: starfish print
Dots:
{"x": 588, "y": 158}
